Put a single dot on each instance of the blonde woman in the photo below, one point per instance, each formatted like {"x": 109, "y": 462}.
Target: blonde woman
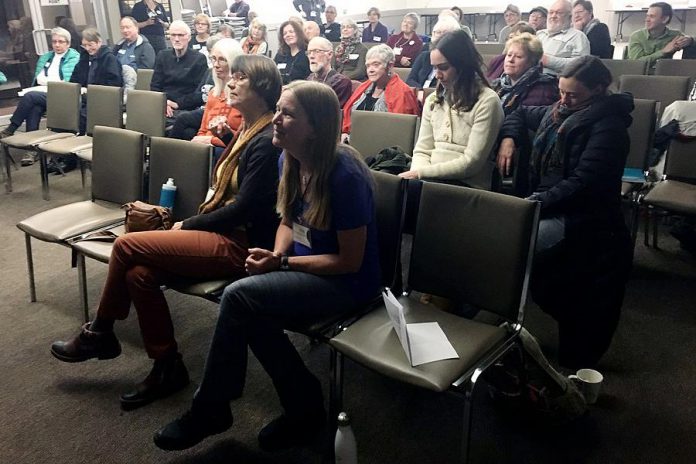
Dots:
{"x": 325, "y": 250}
{"x": 255, "y": 43}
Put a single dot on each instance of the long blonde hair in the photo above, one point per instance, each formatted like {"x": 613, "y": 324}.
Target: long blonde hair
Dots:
{"x": 230, "y": 49}
{"x": 320, "y": 104}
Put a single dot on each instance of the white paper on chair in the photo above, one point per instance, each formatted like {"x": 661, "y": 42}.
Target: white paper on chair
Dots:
{"x": 37, "y": 88}
{"x": 422, "y": 342}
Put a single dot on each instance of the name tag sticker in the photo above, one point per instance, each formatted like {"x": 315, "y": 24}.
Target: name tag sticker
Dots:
{"x": 209, "y": 195}
{"x": 122, "y": 52}
{"x": 196, "y": 47}
{"x": 377, "y": 38}
{"x": 313, "y": 14}
{"x": 353, "y": 56}
{"x": 301, "y": 235}
{"x": 397, "y": 50}
{"x": 411, "y": 42}
{"x": 282, "y": 65}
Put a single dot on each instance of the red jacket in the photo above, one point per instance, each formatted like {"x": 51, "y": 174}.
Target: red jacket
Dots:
{"x": 400, "y": 98}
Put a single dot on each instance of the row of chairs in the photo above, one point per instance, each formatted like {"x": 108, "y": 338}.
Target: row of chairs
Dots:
{"x": 144, "y": 113}
{"x": 490, "y": 271}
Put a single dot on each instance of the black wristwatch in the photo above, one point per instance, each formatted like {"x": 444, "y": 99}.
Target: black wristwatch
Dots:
{"x": 284, "y": 263}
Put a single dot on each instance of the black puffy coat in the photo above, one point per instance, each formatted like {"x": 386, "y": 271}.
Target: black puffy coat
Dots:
{"x": 107, "y": 71}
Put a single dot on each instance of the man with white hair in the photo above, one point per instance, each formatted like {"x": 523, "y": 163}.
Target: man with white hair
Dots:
{"x": 422, "y": 73}
{"x": 561, "y": 41}
{"x": 56, "y": 65}
{"x": 311, "y": 30}
{"x": 320, "y": 54}
{"x": 178, "y": 72}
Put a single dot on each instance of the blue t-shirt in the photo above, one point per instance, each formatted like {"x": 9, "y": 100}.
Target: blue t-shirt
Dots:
{"x": 352, "y": 206}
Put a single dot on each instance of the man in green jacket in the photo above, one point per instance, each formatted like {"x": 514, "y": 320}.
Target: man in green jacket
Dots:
{"x": 656, "y": 41}
{"x": 56, "y": 65}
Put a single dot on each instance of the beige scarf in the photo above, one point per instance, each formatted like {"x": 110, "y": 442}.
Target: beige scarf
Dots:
{"x": 224, "y": 189}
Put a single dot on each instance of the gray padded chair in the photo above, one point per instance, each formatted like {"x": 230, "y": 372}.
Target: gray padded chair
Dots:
{"x": 489, "y": 48}
{"x": 145, "y": 112}
{"x": 489, "y": 270}
{"x": 188, "y": 164}
{"x": 402, "y": 72}
{"x": 641, "y": 133}
{"x": 62, "y": 120}
{"x": 144, "y": 79}
{"x": 117, "y": 178}
{"x": 676, "y": 193}
{"x": 372, "y": 131}
{"x": 620, "y": 67}
{"x": 664, "y": 89}
{"x": 676, "y": 68}
{"x": 103, "y": 109}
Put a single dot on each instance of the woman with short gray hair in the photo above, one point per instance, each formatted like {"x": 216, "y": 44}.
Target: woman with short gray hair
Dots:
{"x": 406, "y": 44}
{"x": 422, "y": 74}
{"x": 349, "y": 56}
{"x": 383, "y": 91}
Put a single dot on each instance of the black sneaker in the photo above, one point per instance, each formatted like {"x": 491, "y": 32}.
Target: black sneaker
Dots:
{"x": 28, "y": 159}
{"x": 7, "y": 132}
{"x": 193, "y": 427}
{"x": 283, "y": 432}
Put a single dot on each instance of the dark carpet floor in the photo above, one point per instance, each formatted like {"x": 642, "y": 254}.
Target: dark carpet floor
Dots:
{"x": 52, "y": 412}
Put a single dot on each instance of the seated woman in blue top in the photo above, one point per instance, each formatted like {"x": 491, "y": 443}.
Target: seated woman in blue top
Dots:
{"x": 375, "y": 30}
{"x": 324, "y": 260}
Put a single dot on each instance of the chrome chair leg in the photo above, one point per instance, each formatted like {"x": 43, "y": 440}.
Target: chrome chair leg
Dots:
{"x": 8, "y": 173}
{"x": 43, "y": 162}
{"x": 82, "y": 284}
{"x": 30, "y": 265}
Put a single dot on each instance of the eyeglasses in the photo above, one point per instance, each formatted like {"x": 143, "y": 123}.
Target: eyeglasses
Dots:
{"x": 317, "y": 50}
{"x": 173, "y": 34}
{"x": 59, "y": 41}
{"x": 238, "y": 76}
{"x": 214, "y": 59}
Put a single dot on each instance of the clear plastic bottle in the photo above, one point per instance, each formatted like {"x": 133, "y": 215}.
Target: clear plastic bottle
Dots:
{"x": 345, "y": 450}
{"x": 168, "y": 194}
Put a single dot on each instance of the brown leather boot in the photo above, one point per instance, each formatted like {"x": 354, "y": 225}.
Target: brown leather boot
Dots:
{"x": 167, "y": 377}
{"x": 87, "y": 345}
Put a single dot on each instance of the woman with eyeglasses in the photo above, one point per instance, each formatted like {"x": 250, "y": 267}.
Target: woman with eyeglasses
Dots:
{"x": 255, "y": 43}
{"x": 324, "y": 262}
{"x": 238, "y": 214}
{"x": 201, "y": 23}
{"x": 152, "y": 21}
{"x": 291, "y": 58}
{"x": 349, "y": 57}
{"x": 383, "y": 91}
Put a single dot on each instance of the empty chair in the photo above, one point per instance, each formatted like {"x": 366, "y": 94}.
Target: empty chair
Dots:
{"x": 676, "y": 194}
{"x": 402, "y": 72}
{"x": 62, "y": 120}
{"x": 676, "y": 68}
{"x": 144, "y": 78}
{"x": 373, "y": 131}
{"x": 664, "y": 89}
{"x": 489, "y": 270}
{"x": 117, "y": 178}
{"x": 103, "y": 109}
{"x": 145, "y": 112}
{"x": 620, "y": 67}
{"x": 188, "y": 164}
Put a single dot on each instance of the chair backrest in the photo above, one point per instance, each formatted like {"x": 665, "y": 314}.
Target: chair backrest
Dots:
{"x": 681, "y": 161}
{"x": 402, "y": 72}
{"x": 145, "y": 112}
{"x": 104, "y": 106}
{"x": 474, "y": 246}
{"x": 144, "y": 79}
{"x": 489, "y": 48}
{"x": 620, "y": 67}
{"x": 641, "y": 133}
{"x": 487, "y": 58}
{"x": 188, "y": 163}
{"x": 669, "y": 67}
{"x": 664, "y": 89}
{"x": 373, "y": 131}
{"x": 63, "y": 106}
{"x": 117, "y": 164}
{"x": 390, "y": 197}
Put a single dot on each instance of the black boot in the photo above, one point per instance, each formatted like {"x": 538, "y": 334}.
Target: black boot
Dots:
{"x": 200, "y": 422}
{"x": 168, "y": 376}
{"x": 87, "y": 345}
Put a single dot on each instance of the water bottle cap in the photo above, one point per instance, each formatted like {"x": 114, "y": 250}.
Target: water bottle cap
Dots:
{"x": 343, "y": 419}
{"x": 170, "y": 181}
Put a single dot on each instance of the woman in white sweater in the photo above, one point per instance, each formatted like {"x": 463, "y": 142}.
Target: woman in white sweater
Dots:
{"x": 461, "y": 119}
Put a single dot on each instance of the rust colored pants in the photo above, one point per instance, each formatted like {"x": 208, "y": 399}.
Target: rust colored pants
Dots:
{"x": 143, "y": 261}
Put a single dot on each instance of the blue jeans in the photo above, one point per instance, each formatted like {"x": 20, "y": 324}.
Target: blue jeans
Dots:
{"x": 551, "y": 233}
{"x": 31, "y": 108}
{"x": 253, "y": 313}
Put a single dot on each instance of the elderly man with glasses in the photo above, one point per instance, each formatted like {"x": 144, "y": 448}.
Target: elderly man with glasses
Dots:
{"x": 178, "y": 71}
{"x": 562, "y": 43}
{"x": 320, "y": 54}
{"x": 56, "y": 65}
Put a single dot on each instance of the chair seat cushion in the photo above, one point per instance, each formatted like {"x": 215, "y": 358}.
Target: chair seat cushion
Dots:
{"x": 64, "y": 222}
{"x": 672, "y": 195}
{"x": 85, "y": 154}
{"x": 29, "y": 139}
{"x": 372, "y": 342}
{"x": 66, "y": 146}
{"x": 207, "y": 289}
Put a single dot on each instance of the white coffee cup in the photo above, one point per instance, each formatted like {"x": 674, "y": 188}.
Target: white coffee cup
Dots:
{"x": 589, "y": 381}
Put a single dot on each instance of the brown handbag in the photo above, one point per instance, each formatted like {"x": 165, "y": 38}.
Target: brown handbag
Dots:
{"x": 142, "y": 216}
